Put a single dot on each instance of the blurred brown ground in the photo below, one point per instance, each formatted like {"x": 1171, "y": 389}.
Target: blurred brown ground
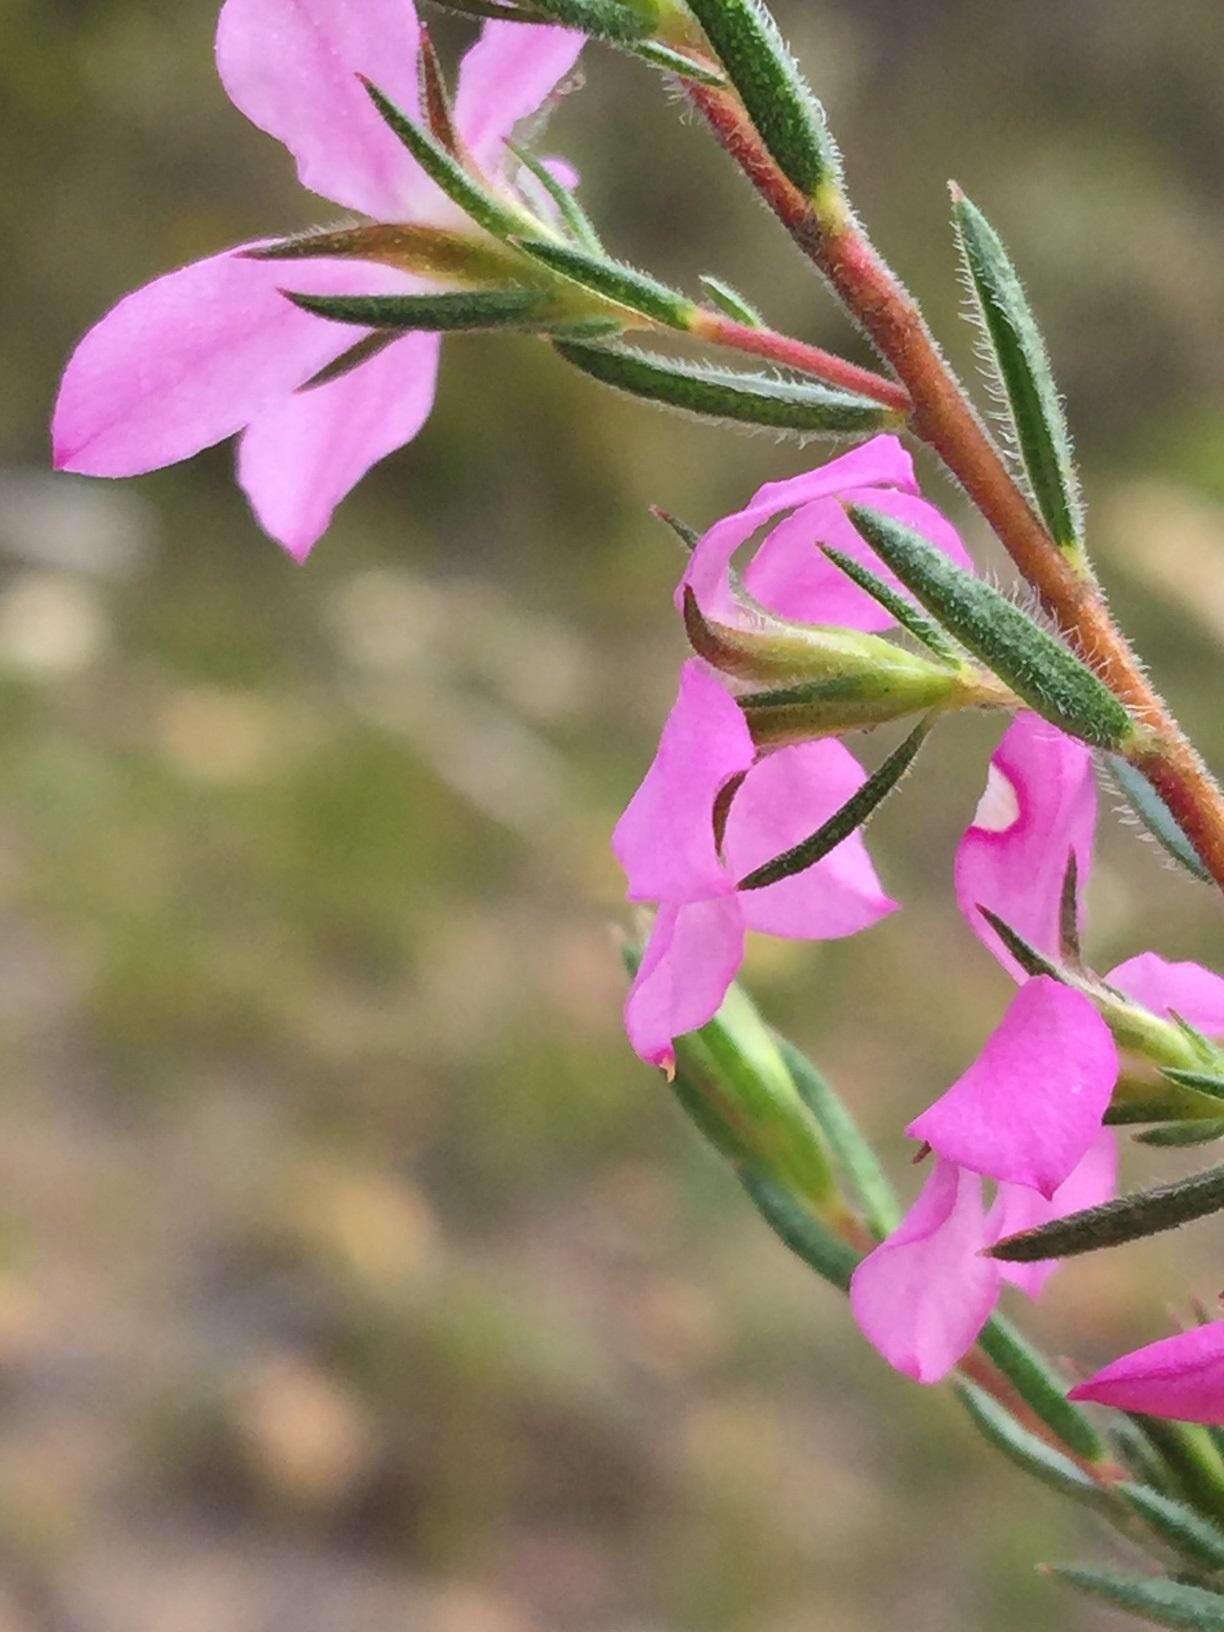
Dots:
{"x": 353, "y": 1274}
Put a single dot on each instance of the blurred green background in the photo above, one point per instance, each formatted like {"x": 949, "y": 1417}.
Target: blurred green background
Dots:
{"x": 352, "y": 1272}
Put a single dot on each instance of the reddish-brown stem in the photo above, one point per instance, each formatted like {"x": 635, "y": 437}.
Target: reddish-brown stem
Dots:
{"x": 943, "y": 417}
{"x": 805, "y": 359}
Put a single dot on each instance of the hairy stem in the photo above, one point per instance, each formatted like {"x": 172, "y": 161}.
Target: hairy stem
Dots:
{"x": 944, "y": 418}
{"x": 804, "y": 359}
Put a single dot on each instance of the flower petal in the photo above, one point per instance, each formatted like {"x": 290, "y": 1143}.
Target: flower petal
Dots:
{"x": 923, "y": 1295}
{"x": 691, "y": 959}
{"x": 791, "y": 576}
{"x": 291, "y": 66}
{"x": 665, "y": 839}
{"x": 784, "y": 798}
{"x": 506, "y": 76}
{"x": 1017, "y": 1208}
{"x": 1180, "y": 1377}
{"x": 1040, "y": 805}
{"x": 1192, "y": 991}
{"x": 1029, "y": 1108}
{"x": 299, "y": 458}
{"x": 193, "y": 357}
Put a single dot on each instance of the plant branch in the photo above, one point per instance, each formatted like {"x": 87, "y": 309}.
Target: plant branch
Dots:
{"x": 804, "y": 359}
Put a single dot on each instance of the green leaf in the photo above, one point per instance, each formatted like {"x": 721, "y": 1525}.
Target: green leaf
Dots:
{"x": 1023, "y": 368}
{"x": 605, "y": 19}
{"x": 1155, "y": 815}
{"x": 1128, "y": 1218}
{"x": 688, "y": 536}
{"x": 468, "y": 309}
{"x": 1040, "y": 1387}
{"x": 731, "y": 302}
{"x": 1191, "y": 1451}
{"x": 900, "y": 607}
{"x": 833, "y": 1259}
{"x": 491, "y": 8}
{"x": 1179, "y": 1134}
{"x": 852, "y": 1152}
{"x": 371, "y": 345}
{"x": 576, "y": 220}
{"x": 1202, "y": 1082}
{"x": 1068, "y": 915}
{"x": 677, "y": 62}
{"x": 1026, "y": 955}
{"x": 787, "y": 115}
{"x": 1025, "y": 1449}
{"x": 1191, "y": 1534}
{"x": 1038, "y": 668}
{"x": 852, "y": 815}
{"x": 747, "y": 399}
{"x": 1166, "y": 1603}
{"x": 611, "y": 280}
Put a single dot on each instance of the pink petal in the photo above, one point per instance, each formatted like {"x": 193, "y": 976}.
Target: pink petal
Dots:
{"x": 1040, "y": 804}
{"x": 190, "y": 359}
{"x": 1192, "y": 991}
{"x": 1180, "y": 1377}
{"x": 291, "y": 66}
{"x": 507, "y": 75}
{"x": 784, "y": 798}
{"x": 691, "y": 959}
{"x": 881, "y": 461}
{"x": 299, "y": 458}
{"x": 1028, "y": 1109}
{"x": 791, "y": 576}
{"x": 923, "y": 1295}
{"x": 1018, "y": 1208}
{"x": 665, "y": 839}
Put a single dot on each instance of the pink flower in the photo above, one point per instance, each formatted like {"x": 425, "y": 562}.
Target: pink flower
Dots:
{"x": 706, "y": 776}
{"x": 215, "y": 349}
{"x": 787, "y": 572}
{"x": 1180, "y": 1377}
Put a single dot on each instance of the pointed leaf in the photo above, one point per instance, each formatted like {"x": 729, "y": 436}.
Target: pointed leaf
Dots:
{"x": 435, "y": 99}
{"x": 492, "y": 8}
{"x": 1025, "y": 1449}
{"x": 434, "y": 251}
{"x": 1068, "y": 915}
{"x": 678, "y": 63}
{"x": 571, "y": 212}
{"x": 852, "y": 815}
{"x": 1202, "y": 1082}
{"x": 1156, "y": 815}
{"x": 787, "y": 115}
{"x": 833, "y": 1259}
{"x": 1042, "y": 1388}
{"x": 1128, "y": 1218}
{"x": 1038, "y": 668}
{"x": 370, "y": 346}
{"x": 1023, "y": 366}
{"x": 1161, "y": 1602}
{"x": 613, "y": 281}
{"x": 1191, "y": 1534}
{"x": 748, "y": 399}
{"x": 1180, "y": 1134}
{"x": 1191, "y": 1451}
{"x": 908, "y": 615}
{"x": 474, "y": 309}
{"x": 688, "y": 536}
{"x": 605, "y": 19}
{"x": 731, "y": 302}
{"x": 1027, "y": 956}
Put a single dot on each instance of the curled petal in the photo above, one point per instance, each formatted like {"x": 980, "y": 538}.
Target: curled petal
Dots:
{"x": 193, "y": 357}
{"x": 507, "y": 76}
{"x": 691, "y": 959}
{"x": 1028, "y": 1109}
{"x": 299, "y": 458}
{"x": 291, "y": 66}
{"x": 783, "y": 799}
{"x": 1040, "y": 804}
{"x": 1185, "y": 988}
{"x": 923, "y": 1295}
{"x": 1018, "y": 1208}
{"x": 1180, "y": 1377}
{"x": 665, "y": 840}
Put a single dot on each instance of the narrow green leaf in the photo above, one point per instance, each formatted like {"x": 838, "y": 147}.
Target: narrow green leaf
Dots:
{"x": 833, "y": 1259}
{"x": 853, "y": 1153}
{"x": 605, "y": 19}
{"x": 852, "y": 815}
{"x": 456, "y": 256}
{"x": 784, "y": 110}
{"x": 1164, "y": 1603}
{"x": 371, "y": 345}
{"x": 1138, "y": 1453}
{"x": 1202, "y": 1082}
{"x": 1196, "y": 1537}
{"x": 1180, "y": 1134}
{"x": 688, "y": 536}
{"x": 731, "y": 302}
{"x": 488, "y": 211}
{"x": 747, "y": 399}
{"x": 468, "y": 309}
{"x": 909, "y": 616}
{"x": 1038, "y": 668}
{"x": 1068, "y": 915}
{"x": 577, "y": 221}
{"x": 1025, "y": 1449}
{"x": 613, "y": 281}
{"x": 1128, "y": 1218}
{"x": 677, "y": 62}
{"x": 1023, "y": 368}
{"x": 491, "y": 8}
{"x": 1155, "y": 815}
{"x": 1026, "y": 955}
{"x": 1040, "y": 1387}
{"x": 1191, "y": 1451}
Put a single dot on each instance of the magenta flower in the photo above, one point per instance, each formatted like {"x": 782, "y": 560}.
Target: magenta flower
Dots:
{"x": 707, "y": 814}
{"x": 1180, "y": 1377}
{"x": 215, "y": 349}
{"x": 787, "y": 573}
